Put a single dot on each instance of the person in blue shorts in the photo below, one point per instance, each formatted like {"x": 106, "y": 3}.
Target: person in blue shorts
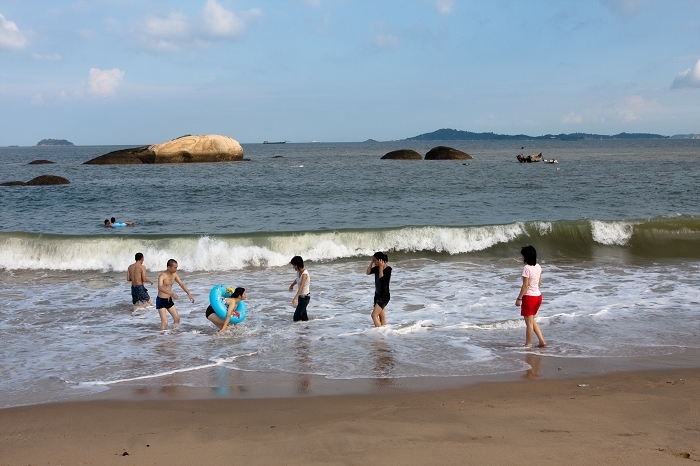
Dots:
{"x": 136, "y": 274}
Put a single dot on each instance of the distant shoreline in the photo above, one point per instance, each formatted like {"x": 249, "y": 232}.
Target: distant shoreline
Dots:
{"x": 447, "y": 134}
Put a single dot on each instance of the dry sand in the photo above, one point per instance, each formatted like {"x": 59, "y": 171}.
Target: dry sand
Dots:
{"x": 639, "y": 418}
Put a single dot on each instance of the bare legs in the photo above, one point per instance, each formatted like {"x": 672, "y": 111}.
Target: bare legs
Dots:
{"x": 164, "y": 318}
{"x": 378, "y": 316}
{"x": 216, "y": 320}
{"x": 530, "y": 328}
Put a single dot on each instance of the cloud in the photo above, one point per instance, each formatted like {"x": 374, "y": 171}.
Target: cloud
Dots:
{"x": 176, "y": 31}
{"x": 386, "y": 40}
{"x": 220, "y": 22}
{"x": 625, "y": 7}
{"x": 104, "y": 83}
{"x": 445, "y": 7}
{"x": 86, "y": 34}
{"x": 11, "y": 37}
{"x": 688, "y": 78}
{"x": 52, "y": 57}
{"x": 571, "y": 118}
{"x": 634, "y": 107}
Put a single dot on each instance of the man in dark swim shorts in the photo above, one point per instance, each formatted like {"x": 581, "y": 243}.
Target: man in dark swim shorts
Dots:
{"x": 164, "y": 303}
{"x": 139, "y": 294}
{"x": 136, "y": 274}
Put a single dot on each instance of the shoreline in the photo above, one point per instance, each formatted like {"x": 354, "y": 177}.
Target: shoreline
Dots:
{"x": 646, "y": 417}
{"x": 221, "y": 383}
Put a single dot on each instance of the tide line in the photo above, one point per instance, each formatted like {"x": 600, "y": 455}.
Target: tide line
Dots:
{"x": 163, "y": 374}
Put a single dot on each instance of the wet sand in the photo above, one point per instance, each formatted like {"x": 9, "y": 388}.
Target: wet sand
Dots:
{"x": 637, "y": 418}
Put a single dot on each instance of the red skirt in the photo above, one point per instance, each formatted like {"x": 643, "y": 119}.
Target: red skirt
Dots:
{"x": 530, "y": 305}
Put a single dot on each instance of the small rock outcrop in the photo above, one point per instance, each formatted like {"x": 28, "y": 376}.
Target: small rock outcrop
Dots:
{"x": 39, "y": 162}
{"x": 43, "y": 180}
{"x": 446, "y": 153}
{"x": 185, "y": 149}
{"x": 402, "y": 154}
{"x": 135, "y": 155}
{"x": 47, "y": 180}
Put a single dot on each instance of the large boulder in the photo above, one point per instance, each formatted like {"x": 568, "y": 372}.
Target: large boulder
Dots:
{"x": 47, "y": 180}
{"x": 185, "y": 149}
{"x": 446, "y": 153}
{"x": 402, "y": 154}
{"x": 43, "y": 180}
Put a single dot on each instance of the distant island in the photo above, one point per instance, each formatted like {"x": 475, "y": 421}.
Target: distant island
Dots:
{"x": 685, "y": 136}
{"x": 54, "y": 142}
{"x": 447, "y": 134}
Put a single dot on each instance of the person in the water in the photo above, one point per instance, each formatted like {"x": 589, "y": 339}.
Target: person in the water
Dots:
{"x": 530, "y": 297}
{"x": 232, "y": 303}
{"x": 382, "y": 275}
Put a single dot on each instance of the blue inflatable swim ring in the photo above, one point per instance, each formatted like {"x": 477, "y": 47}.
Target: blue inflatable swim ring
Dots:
{"x": 217, "y": 295}
{"x": 119, "y": 224}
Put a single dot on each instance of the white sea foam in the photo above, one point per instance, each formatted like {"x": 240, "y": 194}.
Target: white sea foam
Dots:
{"x": 235, "y": 253}
{"x": 465, "y": 324}
{"x": 611, "y": 233}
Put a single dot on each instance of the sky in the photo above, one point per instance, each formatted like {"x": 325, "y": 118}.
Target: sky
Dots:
{"x": 104, "y": 72}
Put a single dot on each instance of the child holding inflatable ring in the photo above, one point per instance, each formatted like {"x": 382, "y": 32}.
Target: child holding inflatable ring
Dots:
{"x": 237, "y": 296}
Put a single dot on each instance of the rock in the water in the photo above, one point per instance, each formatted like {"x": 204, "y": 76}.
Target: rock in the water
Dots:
{"x": 446, "y": 153}
{"x": 47, "y": 180}
{"x": 402, "y": 154}
{"x": 39, "y": 162}
{"x": 207, "y": 148}
{"x": 134, "y": 155}
{"x": 43, "y": 180}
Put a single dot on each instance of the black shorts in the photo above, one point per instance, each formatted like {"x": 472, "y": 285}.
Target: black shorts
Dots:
{"x": 139, "y": 294}
{"x": 210, "y": 311}
{"x": 381, "y": 301}
{"x": 164, "y": 303}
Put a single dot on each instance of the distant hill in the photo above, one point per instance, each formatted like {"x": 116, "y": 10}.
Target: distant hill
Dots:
{"x": 54, "y": 142}
{"x": 685, "y": 136}
{"x": 447, "y": 134}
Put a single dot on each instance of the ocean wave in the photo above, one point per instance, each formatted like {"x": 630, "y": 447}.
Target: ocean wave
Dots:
{"x": 671, "y": 236}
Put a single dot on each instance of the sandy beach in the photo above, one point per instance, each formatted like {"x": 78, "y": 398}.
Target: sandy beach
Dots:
{"x": 635, "y": 418}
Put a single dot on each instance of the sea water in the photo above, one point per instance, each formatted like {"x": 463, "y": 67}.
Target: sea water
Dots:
{"x": 616, "y": 225}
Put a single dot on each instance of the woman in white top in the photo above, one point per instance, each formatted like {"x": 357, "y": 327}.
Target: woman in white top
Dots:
{"x": 530, "y": 297}
{"x": 303, "y": 296}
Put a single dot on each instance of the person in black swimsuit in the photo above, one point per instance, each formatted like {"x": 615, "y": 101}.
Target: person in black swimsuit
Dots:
{"x": 239, "y": 295}
{"x": 382, "y": 275}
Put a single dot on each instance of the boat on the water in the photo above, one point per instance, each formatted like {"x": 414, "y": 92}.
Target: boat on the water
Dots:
{"x": 274, "y": 142}
{"x": 529, "y": 158}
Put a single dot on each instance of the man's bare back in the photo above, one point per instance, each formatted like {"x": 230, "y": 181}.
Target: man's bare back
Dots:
{"x": 136, "y": 274}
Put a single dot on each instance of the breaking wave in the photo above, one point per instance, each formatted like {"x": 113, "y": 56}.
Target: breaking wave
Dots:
{"x": 660, "y": 237}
